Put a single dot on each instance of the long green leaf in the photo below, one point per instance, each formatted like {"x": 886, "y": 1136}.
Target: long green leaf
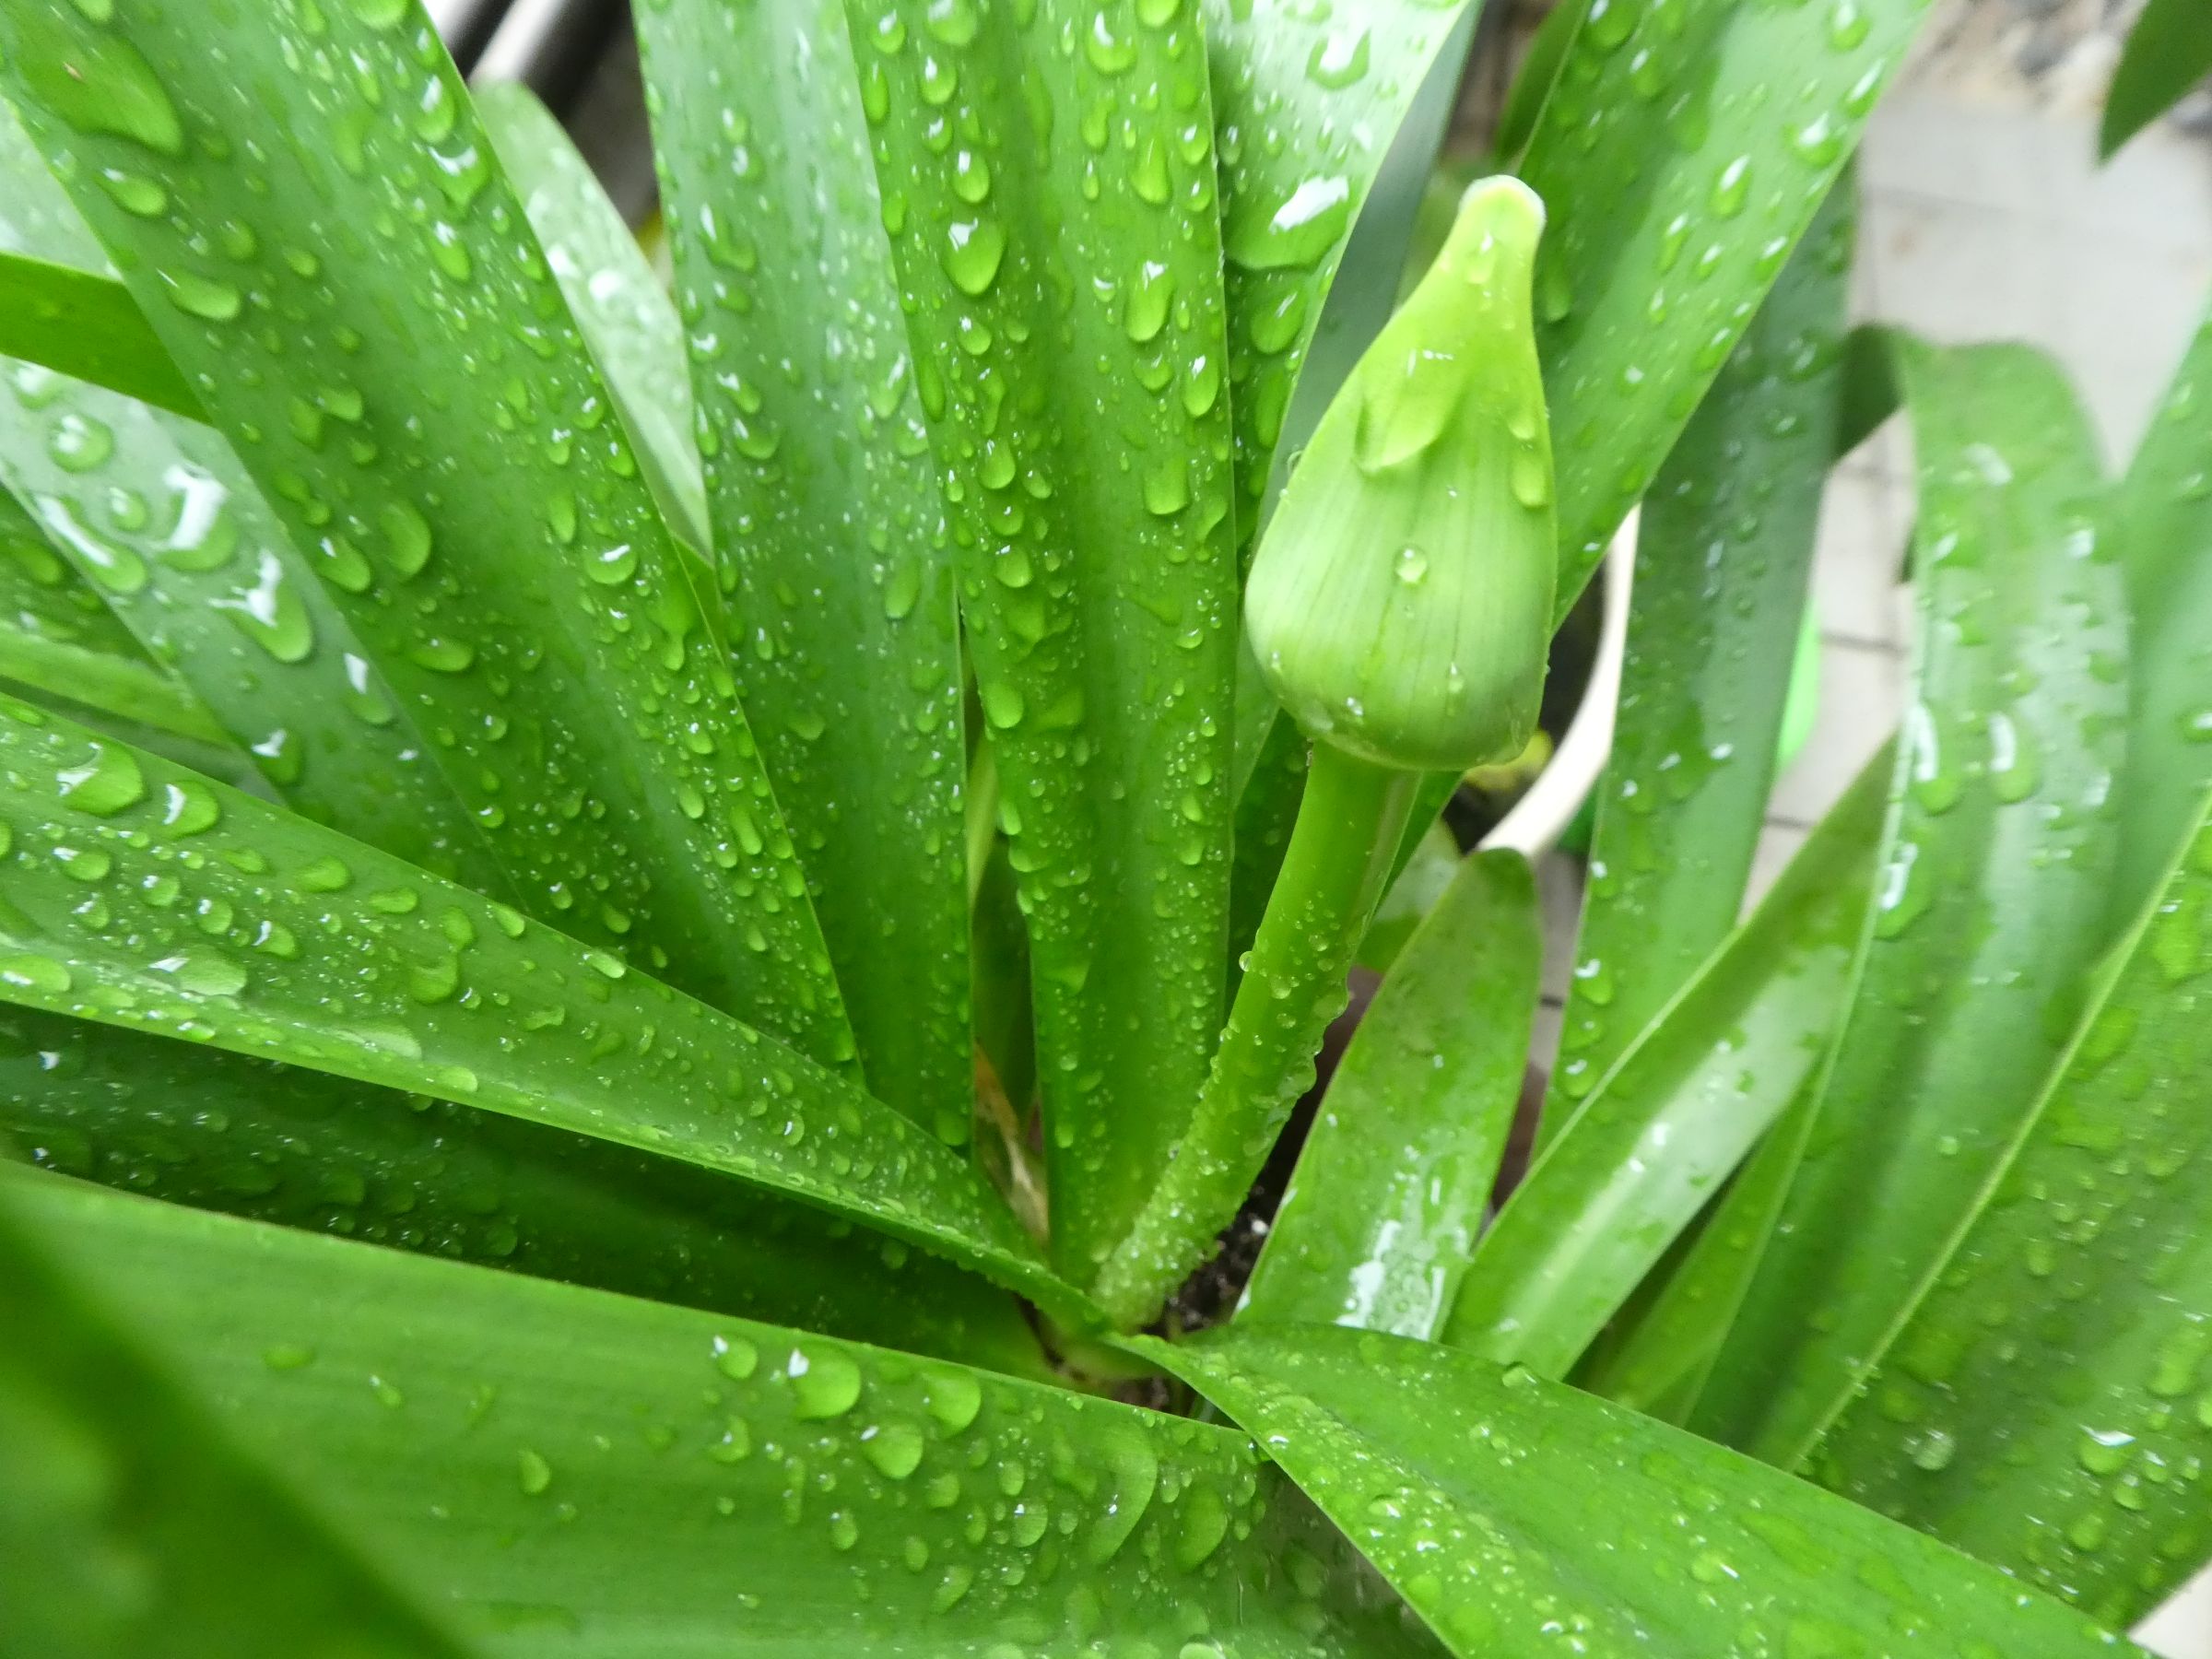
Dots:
{"x": 617, "y": 299}
{"x": 2167, "y": 52}
{"x": 43, "y": 595}
{"x": 1060, "y": 266}
{"x": 1678, "y": 1111}
{"x": 1683, "y": 151}
{"x": 361, "y": 302}
{"x": 304, "y": 1148}
{"x": 1723, "y": 557}
{"x": 2047, "y": 1408}
{"x": 1523, "y": 1519}
{"x": 128, "y": 687}
{"x": 88, "y": 326}
{"x": 141, "y": 895}
{"x": 1990, "y": 904}
{"x": 834, "y": 560}
{"x": 569, "y": 1471}
{"x": 131, "y": 1523}
{"x": 1395, "y": 1175}
{"x": 2161, "y": 516}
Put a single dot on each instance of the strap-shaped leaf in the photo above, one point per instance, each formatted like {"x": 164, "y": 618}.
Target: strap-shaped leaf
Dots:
{"x": 1514, "y": 1512}
{"x": 85, "y": 324}
{"x": 304, "y": 1148}
{"x": 311, "y": 258}
{"x": 615, "y": 296}
{"x": 1048, "y": 175}
{"x": 1989, "y": 906}
{"x": 131, "y": 1523}
{"x": 1395, "y": 1175}
{"x": 1723, "y": 555}
{"x": 2047, "y": 1405}
{"x": 2161, "y": 515}
{"x": 42, "y": 594}
{"x": 835, "y": 565}
{"x": 139, "y": 895}
{"x": 2167, "y": 52}
{"x": 560, "y": 1468}
{"x": 1683, "y": 151}
{"x": 1678, "y": 1111}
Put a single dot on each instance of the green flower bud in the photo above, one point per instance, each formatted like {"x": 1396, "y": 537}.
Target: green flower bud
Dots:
{"x": 1401, "y": 602}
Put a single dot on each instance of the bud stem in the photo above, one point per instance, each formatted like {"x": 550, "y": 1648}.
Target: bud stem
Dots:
{"x": 1339, "y": 861}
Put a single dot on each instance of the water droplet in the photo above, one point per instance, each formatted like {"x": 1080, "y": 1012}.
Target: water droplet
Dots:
{"x": 977, "y": 245}
{"x": 824, "y": 1383}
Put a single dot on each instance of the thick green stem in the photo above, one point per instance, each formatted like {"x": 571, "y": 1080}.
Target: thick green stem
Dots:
{"x": 1333, "y": 875}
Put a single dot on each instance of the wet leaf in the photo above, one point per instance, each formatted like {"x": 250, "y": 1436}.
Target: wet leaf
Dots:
{"x": 1512, "y": 1511}
{"x": 88, "y": 326}
{"x": 1989, "y": 906}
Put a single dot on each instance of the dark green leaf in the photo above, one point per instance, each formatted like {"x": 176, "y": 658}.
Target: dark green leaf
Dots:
{"x": 1679, "y": 1109}
{"x": 1722, "y": 554}
{"x": 2167, "y": 52}
{"x": 132, "y": 1523}
{"x": 1395, "y": 1176}
{"x": 309, "y": 212}
{"x": 1534, "y": 79}
{"x": 1522, "y": 1518}
{"x": 1989, "y": 908}
{"x": 564, "y": 1470}
{"x": 86, "y": 325}
{"x": 304, "y": 1148}
{"x": 2047, "y": 1407}
{"x": 827, "y": 512}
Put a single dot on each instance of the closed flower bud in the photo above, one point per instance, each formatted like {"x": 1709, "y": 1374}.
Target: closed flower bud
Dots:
{"x": 1400, "y": 605}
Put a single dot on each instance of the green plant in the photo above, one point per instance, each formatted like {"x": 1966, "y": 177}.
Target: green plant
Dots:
{"x": 640, "y": 938}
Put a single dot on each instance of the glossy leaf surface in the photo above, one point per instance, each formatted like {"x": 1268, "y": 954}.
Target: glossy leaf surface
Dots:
{"x": 1678, "y": 1111}
{"x": 1684, "y": 150}
{"x": 1395, "y": 1175}
{"x": 132, "y": 1525}
{"x": 2050, "y": 1401}
{"x": 141, "y": 895}
{"x": 2167, "y": 52}
{"x": 829, "y": 517}
{"x": 1512, "y": 1511}
{"x": 304, "y": 1148}
{"x": 82, "y": 323}
{"x": 309, "y": 255}
{"x": 506, "y": 1443}
{"x": 1989, "y": 907}
{"x": 1723, "y": 558}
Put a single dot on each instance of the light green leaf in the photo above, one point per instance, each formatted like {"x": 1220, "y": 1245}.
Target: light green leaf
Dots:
{"x": 304, "y": 1148}
{"x": 1989, "y": 908}
{"x": 624, "y": 313}
{"x": 127, "y": 687}
{"x": 1684, "y": 150}
{"x": 1395, "y": 1175}
{"x": 327, "y": 230}
{"x": 1060, "y": 268}
{"x": 132, "y": 1523}
{"x": 507, "y": 1443}
{"x": 1512, "y": 1513}
{"x": 85, "y": 324}
{"x": 2167, "y": 52}
{"x": 43, "y": 595}
{"x": 1723, "y": 557}
{"x": 2161, "y": 517}
{"x": 828, "y": 509}
{"x": 141, "y": 895}
{"x": 1679, "y": 1111}
{"x": 2047, "y": 1405}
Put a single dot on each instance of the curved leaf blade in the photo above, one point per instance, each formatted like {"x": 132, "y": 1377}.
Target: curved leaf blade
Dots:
{"x": 82, "y": 323}
{"x": 1724, "y": 554}
{"x": 834, "y": 562}
{"x": 1510, "y": 1511}
{"x": 1989, "y": 910}
{"x": 304, "y": 1148}
{"x": 799, "y": 1494}
{"x": 1679, "y": 1109}
{"x": 2167, "y": 52}
{"x": 140, "y": 895}
{"x": 491, "y": 546}
{"x": 1395, "y": 1175}
{"x": 131, "y": 1523}
{"x": 2046, "y": 1400}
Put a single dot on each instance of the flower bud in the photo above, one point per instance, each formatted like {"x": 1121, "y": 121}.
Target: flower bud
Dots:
{"x": 1400, "y": 605}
